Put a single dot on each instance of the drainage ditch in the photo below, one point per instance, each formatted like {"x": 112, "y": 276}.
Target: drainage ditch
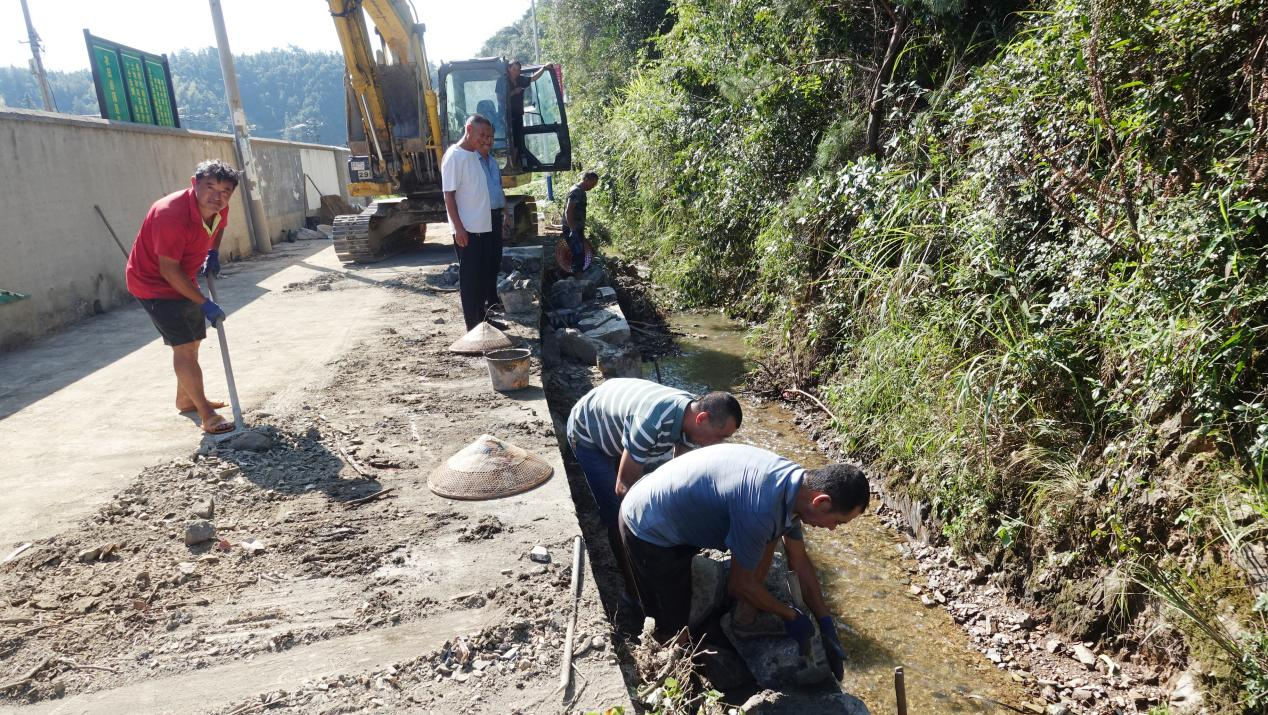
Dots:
{"x": 867, "y": 569}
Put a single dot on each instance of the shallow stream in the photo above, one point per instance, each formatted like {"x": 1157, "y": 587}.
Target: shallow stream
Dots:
{"x": 866, "y": 578}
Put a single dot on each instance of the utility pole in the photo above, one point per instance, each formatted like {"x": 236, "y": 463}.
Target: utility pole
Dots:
{"x": 257, "y": 222}
{"x": 537, "y": 59}
{"x": 37, "y": 63}
{"x": 537, "y": 53}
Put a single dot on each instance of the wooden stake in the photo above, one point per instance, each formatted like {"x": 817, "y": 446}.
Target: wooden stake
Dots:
{"x": 565, "y": 670}
{"x": 900, "y": 690}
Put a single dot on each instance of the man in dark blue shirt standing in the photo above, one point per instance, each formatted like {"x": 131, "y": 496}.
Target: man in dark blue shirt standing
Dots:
{"x": 575, "y": 219}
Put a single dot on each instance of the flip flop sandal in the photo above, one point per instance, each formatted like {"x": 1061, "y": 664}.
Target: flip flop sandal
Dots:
{"x": 219, "y": 427}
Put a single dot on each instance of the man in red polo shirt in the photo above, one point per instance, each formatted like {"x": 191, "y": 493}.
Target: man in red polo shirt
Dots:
{"x": 180, "y": 234}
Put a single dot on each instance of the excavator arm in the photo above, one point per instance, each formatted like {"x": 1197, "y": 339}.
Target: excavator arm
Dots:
{"x": 393, "y": 98}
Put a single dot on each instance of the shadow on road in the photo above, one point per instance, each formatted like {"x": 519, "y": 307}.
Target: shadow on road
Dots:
{"x": 32, "y": 373}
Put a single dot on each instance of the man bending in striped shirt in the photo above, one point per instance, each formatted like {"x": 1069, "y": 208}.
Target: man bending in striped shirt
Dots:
{"x": 624, "y": 425}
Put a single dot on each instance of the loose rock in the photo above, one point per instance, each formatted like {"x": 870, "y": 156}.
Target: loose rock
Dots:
{"x": 204, "y": 508}
{"x": 196, "y": 532}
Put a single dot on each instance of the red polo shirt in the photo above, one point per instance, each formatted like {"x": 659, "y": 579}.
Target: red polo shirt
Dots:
{"x": 173, "y": 228}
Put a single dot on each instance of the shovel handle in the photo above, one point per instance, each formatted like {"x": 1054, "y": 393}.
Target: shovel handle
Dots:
{"x": 224, "y": 357}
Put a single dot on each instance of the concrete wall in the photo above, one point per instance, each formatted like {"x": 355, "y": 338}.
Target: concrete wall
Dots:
{"x": 56, "y": 249}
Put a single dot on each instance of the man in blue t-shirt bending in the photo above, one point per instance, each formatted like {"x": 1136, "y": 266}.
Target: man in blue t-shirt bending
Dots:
{"x": 743, "y": 499}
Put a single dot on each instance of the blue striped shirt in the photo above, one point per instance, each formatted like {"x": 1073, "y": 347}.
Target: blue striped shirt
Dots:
{"x": 628, "y": 414}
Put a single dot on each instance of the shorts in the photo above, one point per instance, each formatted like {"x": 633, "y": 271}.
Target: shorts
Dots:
{"x": 178, "y": 320}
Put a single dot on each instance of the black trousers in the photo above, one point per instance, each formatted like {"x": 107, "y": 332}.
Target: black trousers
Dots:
{"x": 491, "y": 296}
{"x": 475, "y": 265}
{"x": 662, "y": 576}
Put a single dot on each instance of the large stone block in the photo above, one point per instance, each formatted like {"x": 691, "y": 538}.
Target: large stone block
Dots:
{"x": 579, "y": 346}
{"x": 606, "y": 323}
{"x": 614, "y": 332}
{"x": 596, "y": 273}
{"x": 564, "y": 318}
{"x": 622, "y": 361}
{"x": 776, "y": 661}
{"x": 526, "y": 259}
{"x": 565, "y": 293}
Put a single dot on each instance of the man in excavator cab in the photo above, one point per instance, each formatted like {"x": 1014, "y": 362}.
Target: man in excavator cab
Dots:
{"x": 517, "y": 82}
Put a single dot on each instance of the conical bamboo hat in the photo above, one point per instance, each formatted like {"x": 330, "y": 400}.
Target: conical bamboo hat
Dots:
{"x": 479, "y": 339}
{"x": 489, "y": 468}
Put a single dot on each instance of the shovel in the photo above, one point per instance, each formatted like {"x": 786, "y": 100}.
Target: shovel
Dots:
{"x": 238, "y": 425}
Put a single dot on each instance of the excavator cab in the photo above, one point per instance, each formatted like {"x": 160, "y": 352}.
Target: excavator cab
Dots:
{"x": 538, "y": 141}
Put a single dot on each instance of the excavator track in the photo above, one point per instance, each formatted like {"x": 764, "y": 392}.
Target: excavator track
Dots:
{"x": 378, "y": 232}
{"x": 351, "y": 233}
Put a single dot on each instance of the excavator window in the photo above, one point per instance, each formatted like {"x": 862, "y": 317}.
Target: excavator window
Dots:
{"x": 476, "y": 91}
{"x": 546, "y": 143}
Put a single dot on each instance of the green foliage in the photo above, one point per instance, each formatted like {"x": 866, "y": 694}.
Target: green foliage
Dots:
{"x": 515, "y": 41}
{"x": 286, "y": 94}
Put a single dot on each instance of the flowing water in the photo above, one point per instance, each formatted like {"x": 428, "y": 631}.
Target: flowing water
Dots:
{"x": 866, "y": 578}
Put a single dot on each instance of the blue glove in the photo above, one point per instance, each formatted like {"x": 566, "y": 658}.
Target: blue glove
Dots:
{"x": 832, "y": 646}
{"x": 211, "y": 264}
{"x": 212, "y": 312}
{"x": 800, "y": 629}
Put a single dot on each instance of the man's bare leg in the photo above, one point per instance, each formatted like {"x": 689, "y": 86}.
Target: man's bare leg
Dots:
{"x": 745, "y": 613}
{"x": 184, "y": 404}
{"x": 189, "y": 383}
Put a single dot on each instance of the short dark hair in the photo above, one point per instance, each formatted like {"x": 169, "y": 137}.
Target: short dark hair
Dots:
{"x": 720, "y": 406}
{"x": 590, "y": 176}
{"x": 477, "y": 119}
{"x": 845, "y": 485}
{"x": 218, "y": 170}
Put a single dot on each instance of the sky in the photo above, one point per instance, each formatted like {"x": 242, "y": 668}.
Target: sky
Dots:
{"x": 455, "y": 30}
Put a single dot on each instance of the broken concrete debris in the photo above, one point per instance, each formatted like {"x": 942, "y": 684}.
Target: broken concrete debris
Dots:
{"x": 197, "y": 532}
{"x": 593, "y": 331}
{"x": 251, "y": 441}
{"x": 204, "y": 508}
{"x": 516, "y": 293}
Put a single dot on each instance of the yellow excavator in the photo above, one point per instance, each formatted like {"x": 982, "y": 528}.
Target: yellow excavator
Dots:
{"x": 399, "y": 128}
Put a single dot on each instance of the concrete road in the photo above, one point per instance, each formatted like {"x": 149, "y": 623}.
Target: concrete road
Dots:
{"x": 83, "y": 411}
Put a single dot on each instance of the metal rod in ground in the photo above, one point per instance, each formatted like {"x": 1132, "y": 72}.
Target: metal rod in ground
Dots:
{"x": 900, "y": 690}
{"x": 565, "y": 670}
{"x": 113, "y": 235}
{"x": 224, "y": 356}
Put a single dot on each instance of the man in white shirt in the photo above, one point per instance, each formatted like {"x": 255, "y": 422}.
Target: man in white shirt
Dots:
{"x": 466, "y": 187}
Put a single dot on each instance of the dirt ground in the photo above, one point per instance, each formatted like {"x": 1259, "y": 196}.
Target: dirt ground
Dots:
{"x": 335, "y": 581}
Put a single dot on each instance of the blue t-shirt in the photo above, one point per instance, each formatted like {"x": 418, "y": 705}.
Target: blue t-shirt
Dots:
{"x": 728, "y": 497}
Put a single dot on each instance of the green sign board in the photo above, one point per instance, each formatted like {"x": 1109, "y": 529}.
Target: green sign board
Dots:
{"x": 132, "y": 86}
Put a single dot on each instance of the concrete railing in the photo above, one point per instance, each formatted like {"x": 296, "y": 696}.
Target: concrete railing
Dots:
{"x": 54, "y": 247}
